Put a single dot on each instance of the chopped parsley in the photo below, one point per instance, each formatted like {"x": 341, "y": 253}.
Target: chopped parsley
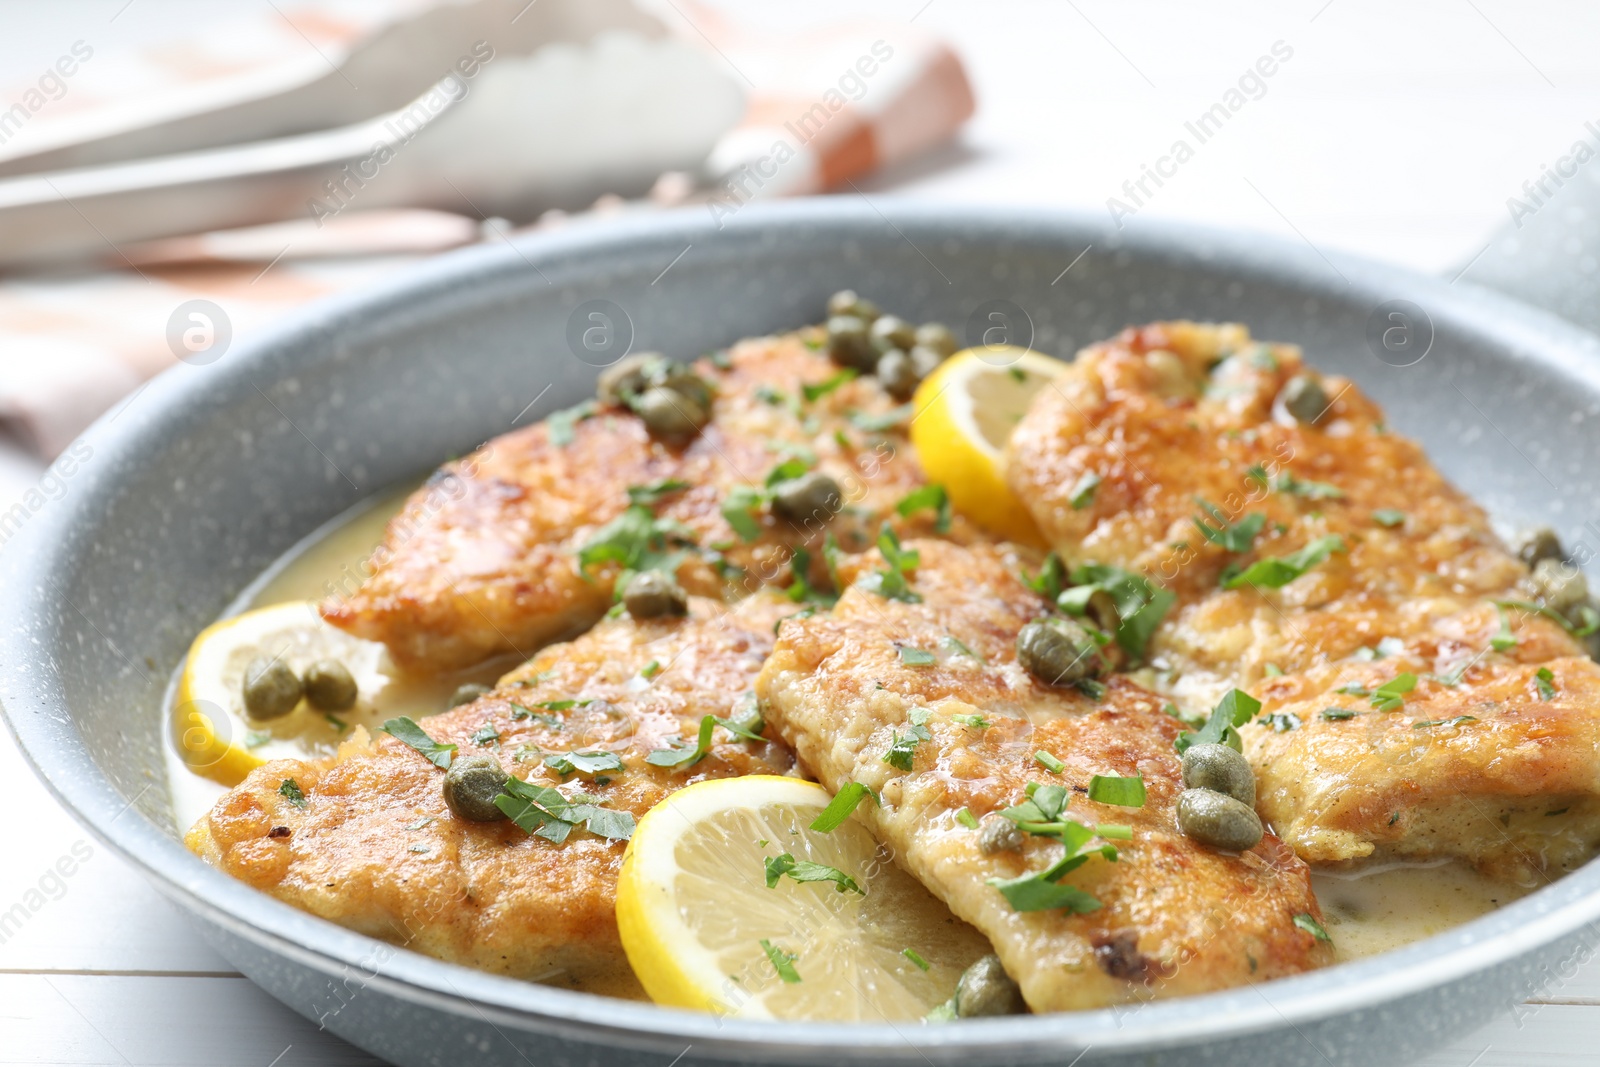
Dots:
{"x": 1123, "y": 792}
{"x": 1456, "y": 720}
{"x": 1275, "y": 573}
{"x": 1546, "y": 683}
{"x": 407, "y": 732}
{"x": 1389, "y": 517}
{"x": 929, "y": 496}
{"x": 839, "y": 808}
{"x": 1234, "y": 710}
{"x": 1390, "y": 696}
{"x": 1305, "y": 922}
{"x": 956, "y": 645}
{"x": 902, "y": 748}
{"x": 1083, "y": 492}
{"x": 911, "y": 954}
{"x": 655, "y": 492}
{"x": 890, "y": 582}
{"x": 1281, "y": 721}
{"x": 816, "y": 392}
{"x": 782, "y": 962}
{"x": 1232, "y": 536}
{"x": 637, "y": 541}
{"x": 807, "y": 871}
{"x": 972, "y": 721}
{"x": 1041, "y": 814}
{"x": 1288, "y": 483}
{"x": 256, "y": 738}
{"x": 916, "y": 657}
{"x": 1503, "y": 640}
{"x": 1049, "y": 762}
{"x": 685, "y": 755}
{"x": 1337, "y": 714}
{"x": 650, "y": 670}
{"x": 559, "y": 425}
{"x": 565, "y": 763}
{"x": 547, "y": 813}
{"x": 1591, "y": 618}
{"x": 1272, "y": 670}
{"x": 878, "y": 423}
{"x": 1051, "y": 579}
{"x": 289, "y": 789}
{"x": 800, "y": 590}
{"x": 1140, "y": 604}
{"x": 967, "y": 819}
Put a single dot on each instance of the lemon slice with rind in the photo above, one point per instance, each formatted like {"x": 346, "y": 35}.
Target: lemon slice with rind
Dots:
{"x": 703, "y": 930}
{"x": 214, "y": 735}
{"x": 965, "y": 412}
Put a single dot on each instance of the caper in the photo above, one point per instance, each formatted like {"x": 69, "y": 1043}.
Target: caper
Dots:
{"x": 1221, "y": 770}
{"x": 996, "y": 833}
{"x": 1058, "y": 651}
{"x": 1217, "y": 820}
{"x": 652, "y": 594}
{"x": 898, "y": 373}
{"x": 848, "y": 343}
{"x": 925, "y": 360}
{"x": 627, "y": 377}
{"x": 891, "y": 331}
{"x": 271, "y": 689}
{"x": 847, "y": 302}
{"x": 470, "y": 786}
{"x": 681, "y": 379}
{"x": 329, "y": 686}
{"x": 986, "y": 989}
{"x": 466, "y": 694}
{"x": 813, "y": 495}
{"x": 669, "y": 414}
{"x": 1170, "y": 377}
{"x": 937, "y": 336}
{"x": 1304, "y": 398}
{"x": 1538, "y": 543}
{"x": 1559, "y": 586}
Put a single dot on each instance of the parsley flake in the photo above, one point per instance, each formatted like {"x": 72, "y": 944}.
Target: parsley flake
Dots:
{"x": 1310, "y": 925}
{"x": 890, "y": 582}
{"x": 655, "y": 492}
{"x": 1083, "y": 492}
{"x": 1390, "y": 696}
{"x": 565, "y": 763}
{"x": 407, "y": 732}
{"x": 782, "y": 962}
{"x": 1275, "y": 573}
{"x": 816, "y": 392}
{"x": 547, "y": 813}
{"x": 685, "y": 755}
{"x": 1232, "y": 536}
{"x": 839, "y": 808}
{"x": 902, "y": 749}
{"x": 807, "y": 871}
{"x": 1546, "y": 683}
{"x": 928, "y": 496}
{"x": 916, "y": 657}
{"x": 1456, "y": 720}
{"x": 1123, "y": 792}
{"x": 289, "y": 789}
{"x": 1388, "y": 517}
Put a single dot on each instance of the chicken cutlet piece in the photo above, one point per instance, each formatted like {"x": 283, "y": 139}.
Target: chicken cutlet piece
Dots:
{"x": 484, "y": 558}
{"x": 365, "y": 839}
{"x": 952, "y": 740}
{"x": 1498, "y": 765}
{"x": 1224, "y": 462}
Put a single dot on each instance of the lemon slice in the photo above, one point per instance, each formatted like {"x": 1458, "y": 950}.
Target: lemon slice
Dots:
{"x": 965, "y": 411}
{"x": 703, "y": 930}
{"x": 217, "y": 739}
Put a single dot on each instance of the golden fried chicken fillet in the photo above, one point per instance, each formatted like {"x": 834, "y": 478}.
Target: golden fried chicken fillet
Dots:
{"x": 483, "y": 559}
{"x": 1499, "y": 767}
{"x": 373, "y": 846}
{"x": 1174, "y": 917}
{"x": 1176, "y": 416}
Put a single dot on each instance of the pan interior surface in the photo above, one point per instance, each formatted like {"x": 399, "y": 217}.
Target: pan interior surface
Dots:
{"x": 182, "y": 497}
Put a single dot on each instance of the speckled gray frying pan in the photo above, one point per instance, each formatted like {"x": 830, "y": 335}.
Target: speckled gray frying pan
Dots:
{"x": 220, "y": 466}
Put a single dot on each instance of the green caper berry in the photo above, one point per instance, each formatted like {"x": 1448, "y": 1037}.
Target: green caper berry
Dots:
{"x": 470, "y": 786}
{"x": 271, "y": 689}
{"x": 329, "y": 686}
{"x": 986, "y": 989}
{"x": 1221, "y": 770}
{"x": 891, "y": 331}
{"x": 847, "y": 302}
{"x": 813, "y": 495}
{"x": 1220, "y": 821}
{"x": 925, "y": 360}
{"x": 996, "y": 833}
{"x": 1058, "y": 652}
{"x": 848, "y": 344}
{"x": 898, "y": 374}
{"x": 652, "y": 594}
{"x": 1559, "y": 586}
{"x": 1304, "y": 398}
{"x": 669, "y": 414}
{"x": 937, "y": 336}
{"x": 466, "y": 694}
{"x": 681, "y": 379}
{"x": 1536, "y": 544}
{"x": 626, "y": 378}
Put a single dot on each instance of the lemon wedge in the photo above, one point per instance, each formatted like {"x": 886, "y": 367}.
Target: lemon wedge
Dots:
{"x": 965, "y": 411}
{"x": 217, "y": 739}
{"x": 703, "y": 930}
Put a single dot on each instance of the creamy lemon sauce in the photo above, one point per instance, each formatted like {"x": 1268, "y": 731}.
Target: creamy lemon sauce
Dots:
{"x": 1368, "y": 909}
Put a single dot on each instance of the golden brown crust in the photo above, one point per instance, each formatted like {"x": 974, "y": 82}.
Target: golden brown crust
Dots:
{"x": 1175, "y": 917}
{"x": 375, "y": 848}
{"x": 482, "y": 559}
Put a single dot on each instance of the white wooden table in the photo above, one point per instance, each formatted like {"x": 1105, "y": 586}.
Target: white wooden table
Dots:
{"x": 1395, "y": 133}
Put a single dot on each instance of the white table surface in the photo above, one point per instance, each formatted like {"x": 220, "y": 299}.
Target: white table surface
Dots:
{"x": 1395, "y": 133}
